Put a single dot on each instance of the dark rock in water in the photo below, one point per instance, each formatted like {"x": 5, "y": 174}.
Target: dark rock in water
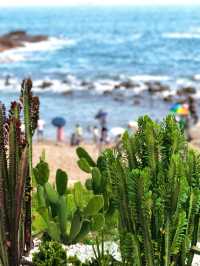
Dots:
{"x": 186, "y": 90}
{"x": 106, "y": 93}
{"x": 119, "y": 98}
{"x": 128, "y": 84}
{"x": 168, "y": 98}
{"x": 45, "y": 84}
{"x": 117, "y": 86}
{"x": 85, "y": 83}
{"x": 17, "y": 39}
{"x": 65, "y": 81}
{"x": 88, "y": 84}
{"x": 136, "y": 102}
{"x": 157, "y": 87}
{"x": 125, "y": 84}
{"x": 68, "y": 93}
{"x": 138, "y": 96}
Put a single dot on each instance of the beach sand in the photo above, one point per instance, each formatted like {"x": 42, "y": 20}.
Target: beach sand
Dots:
{"x": 63, "y": 156}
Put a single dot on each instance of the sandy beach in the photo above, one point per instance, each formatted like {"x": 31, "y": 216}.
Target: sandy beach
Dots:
{"x": 62, "y": 156}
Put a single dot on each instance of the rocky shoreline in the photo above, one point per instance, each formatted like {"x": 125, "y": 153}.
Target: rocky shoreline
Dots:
{"x": 16, "y": 39}
{"x": 119, "y": 90}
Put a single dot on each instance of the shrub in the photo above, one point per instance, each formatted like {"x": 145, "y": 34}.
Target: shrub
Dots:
{"x": 50, "y": 253}
{"x": 156, "y": 186}
{"x": 153, "y": 181}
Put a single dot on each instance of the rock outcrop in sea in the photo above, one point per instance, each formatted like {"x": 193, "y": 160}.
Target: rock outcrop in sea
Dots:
{"x": 17, "y": 39}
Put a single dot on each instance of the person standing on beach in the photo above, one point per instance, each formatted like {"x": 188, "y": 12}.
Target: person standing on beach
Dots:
{"x": 76, "y": 136}
{"x": 101, "y": 116}
{"x": 95, "y": 134}
{"x": 40, "y": 129}
{"x": 192, "y": 109}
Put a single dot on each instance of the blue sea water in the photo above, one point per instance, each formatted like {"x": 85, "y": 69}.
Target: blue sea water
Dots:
{"x": 101, "y": 45}
{"x": 106, "y": 41}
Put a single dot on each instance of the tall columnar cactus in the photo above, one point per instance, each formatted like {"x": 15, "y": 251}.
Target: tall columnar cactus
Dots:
{"x": 14, "y": 170}
{"x": 31, "y": 115}
{"x": 156, "y": 188}
{"x": 68, "y": 217}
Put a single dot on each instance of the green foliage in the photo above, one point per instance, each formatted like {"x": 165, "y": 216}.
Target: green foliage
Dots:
{"x": 61, "y": 182}
{"x": 84, "y": 165}
{"x": 50, "y": 253}
{"x": 94, "y": 206}
{"x": 105, "y": 223}
{"x": 15, "y": 173}
{"x": 155, "y": 188}
{"x": 41, "y": 173}
{"x": 82, "y": 154}
{"x": 68, "y": 215}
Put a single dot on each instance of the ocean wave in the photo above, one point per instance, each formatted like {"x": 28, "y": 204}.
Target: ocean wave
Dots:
{"x": 196, "y": 77}
{"x": 51, "y": 44}
{"x": 129, "y": 84}
{"x": 26, "y": 52}
{"x": 146, "y": 78}
{"x": 181, "y": 35}
{"x": 112, "y": 39}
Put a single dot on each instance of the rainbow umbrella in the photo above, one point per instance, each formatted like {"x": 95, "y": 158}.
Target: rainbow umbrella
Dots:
{"x": 180, "y": 109}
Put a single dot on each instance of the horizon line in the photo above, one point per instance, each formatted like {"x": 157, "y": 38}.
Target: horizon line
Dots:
{"x": 103, "y": 5}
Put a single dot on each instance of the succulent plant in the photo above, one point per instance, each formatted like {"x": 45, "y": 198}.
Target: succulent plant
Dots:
{"x": 156, "y": 189}
{"x": 62, "y": 224}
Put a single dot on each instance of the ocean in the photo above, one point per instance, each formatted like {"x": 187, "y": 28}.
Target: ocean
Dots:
{"x": 91, "y": 50}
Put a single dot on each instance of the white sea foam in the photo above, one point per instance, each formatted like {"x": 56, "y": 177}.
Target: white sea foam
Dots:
{"x": 51, "y": 44}
{"x": 149, "y": 78}
{"x": 181, "y": 35}
{"x": 72, "y": 83}
{"x": 26, "y": 52}
{"x": 105, "y": 85}
{"x": 197, "y": 77}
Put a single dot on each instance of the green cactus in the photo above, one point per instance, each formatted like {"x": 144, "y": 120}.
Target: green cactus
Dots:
{"x": 104, "y": 223}
{"x": 31, "y": 115}
{"x": 76, "y": 225}
{"x": 62, "y": 224}
{"x": 84, "y": 165}
{"x": 15, "y": 173}
{"x": 61, "y": 182}
{"x": 82, "y": 154}
{"x": 98, "y": 222}
{"x": 51, "y": 194}
{"x": 94, "y": 206}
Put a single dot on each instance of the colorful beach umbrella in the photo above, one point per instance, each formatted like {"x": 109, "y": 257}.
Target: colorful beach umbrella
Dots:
{"x": 180, "y": 109}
